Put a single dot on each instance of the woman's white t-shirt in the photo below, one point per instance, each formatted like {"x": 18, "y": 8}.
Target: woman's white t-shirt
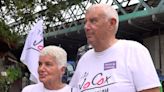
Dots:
{"x": 40, "y": 88}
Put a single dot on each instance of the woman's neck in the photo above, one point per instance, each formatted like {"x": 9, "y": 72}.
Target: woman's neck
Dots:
{"x": 54, "y": 86}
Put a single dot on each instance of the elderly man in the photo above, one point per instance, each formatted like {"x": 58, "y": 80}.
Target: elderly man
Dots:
{"x": 113, "y": 65}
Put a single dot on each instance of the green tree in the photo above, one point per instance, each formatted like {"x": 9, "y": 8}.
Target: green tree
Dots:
{"x": 17, "y": 16}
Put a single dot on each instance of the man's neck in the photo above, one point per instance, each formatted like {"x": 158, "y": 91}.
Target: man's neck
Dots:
{"x": 104, "y": 45}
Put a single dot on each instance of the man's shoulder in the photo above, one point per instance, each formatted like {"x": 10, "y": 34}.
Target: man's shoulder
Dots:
{"x": 129, "y": 41}
{"x": 132, "y": 44}
{"x": 88, "y": 53}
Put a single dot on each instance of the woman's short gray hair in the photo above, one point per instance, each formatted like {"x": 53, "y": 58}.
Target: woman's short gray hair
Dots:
{"x": 57, "y": 52}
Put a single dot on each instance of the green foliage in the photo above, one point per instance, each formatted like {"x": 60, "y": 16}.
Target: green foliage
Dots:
{"x": 13, "y": 73}
{"x": 3, "y": 83}
{"x": 24, "y": 14}
{"x": 8, "y": 35}
{"x": 4, "y": 29}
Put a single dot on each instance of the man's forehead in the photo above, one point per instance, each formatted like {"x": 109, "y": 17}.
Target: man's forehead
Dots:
{"x": 94, "y": 14}
{"x": 93, "y": 9}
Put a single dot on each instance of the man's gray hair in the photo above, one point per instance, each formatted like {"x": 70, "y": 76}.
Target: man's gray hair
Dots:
{"x": 58, "y": 53}
{"x": 109, "y": 11}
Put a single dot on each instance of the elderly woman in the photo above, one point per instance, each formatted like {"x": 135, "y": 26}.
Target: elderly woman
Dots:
{"x": 52, "y": 64}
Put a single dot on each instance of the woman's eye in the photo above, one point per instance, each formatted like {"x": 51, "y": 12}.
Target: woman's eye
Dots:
{"x": 40, "y": 64}
{"x": 48, "y": 64}
{"x": 93, "y": 20}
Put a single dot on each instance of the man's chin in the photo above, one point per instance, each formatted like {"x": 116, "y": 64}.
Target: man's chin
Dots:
{"x": 90, "y": 41}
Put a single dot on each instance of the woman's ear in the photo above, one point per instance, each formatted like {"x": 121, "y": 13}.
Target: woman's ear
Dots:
{"x": 63, "y": 69}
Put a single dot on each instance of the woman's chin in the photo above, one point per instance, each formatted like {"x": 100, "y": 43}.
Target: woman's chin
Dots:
{"x": 42, "y": 80}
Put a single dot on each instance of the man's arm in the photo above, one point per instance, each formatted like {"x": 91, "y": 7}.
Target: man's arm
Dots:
{"x": 157, "y": 89}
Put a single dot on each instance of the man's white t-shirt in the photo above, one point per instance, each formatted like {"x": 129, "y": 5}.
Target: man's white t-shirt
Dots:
{"x": 40, "y": 88}
{"x": 125, "y": 67}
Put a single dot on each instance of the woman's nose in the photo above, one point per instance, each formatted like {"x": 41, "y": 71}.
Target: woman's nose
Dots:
{"x": 41, "y": 68}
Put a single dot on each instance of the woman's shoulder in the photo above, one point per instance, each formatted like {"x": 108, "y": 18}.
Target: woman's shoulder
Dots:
{"x": 31, "y": 88}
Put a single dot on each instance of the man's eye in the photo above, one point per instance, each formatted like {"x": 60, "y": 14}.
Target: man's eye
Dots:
{"x": 85, "y": 21}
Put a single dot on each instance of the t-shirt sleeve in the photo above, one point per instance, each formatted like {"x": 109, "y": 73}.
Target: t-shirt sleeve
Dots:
{"x": 142, "y": 68}
{"x": 74, "y": 79}
{"x": 27, "y": 89}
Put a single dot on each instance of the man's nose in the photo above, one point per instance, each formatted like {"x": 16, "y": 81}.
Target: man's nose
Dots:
{"x": 87, "y": 26}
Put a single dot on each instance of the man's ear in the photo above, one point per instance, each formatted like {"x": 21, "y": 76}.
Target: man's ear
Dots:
{"x": 113, "y": 21}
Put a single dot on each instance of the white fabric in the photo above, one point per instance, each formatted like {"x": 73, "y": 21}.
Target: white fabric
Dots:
{"x": 124, "y": 67}
{"x": 40, "y": 88}
{"x": 31, "y": 50}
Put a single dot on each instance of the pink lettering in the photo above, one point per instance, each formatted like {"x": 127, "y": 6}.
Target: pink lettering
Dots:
{"x": 86, "y": 85}
{"x": 39, "y": 47}
{"x": 101, "y": 81}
